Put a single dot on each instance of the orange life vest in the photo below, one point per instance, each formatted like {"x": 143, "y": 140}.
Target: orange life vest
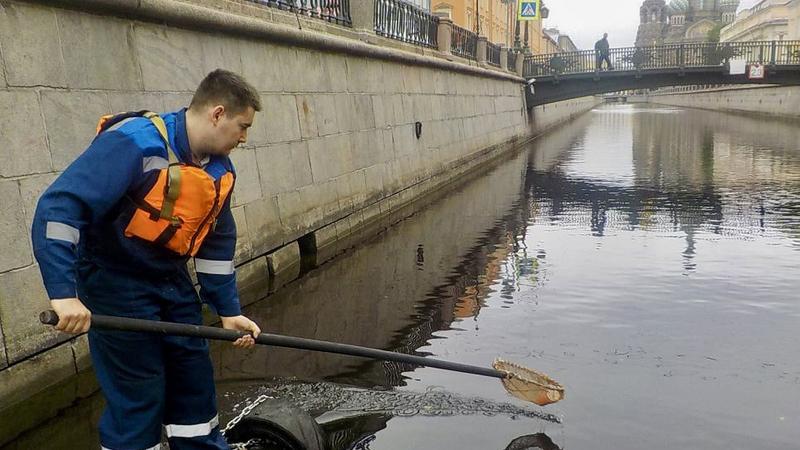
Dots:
{"x": 182, "y": 206}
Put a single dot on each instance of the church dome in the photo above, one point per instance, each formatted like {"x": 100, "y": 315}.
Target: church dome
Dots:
{"x": 678, "y": 6}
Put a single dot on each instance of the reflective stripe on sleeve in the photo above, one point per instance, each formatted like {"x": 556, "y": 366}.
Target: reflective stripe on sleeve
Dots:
{"x": 62, "y": 232}
{"x": 195, "y": 430}
{"x": 154, "y": 163}
{"x": 155, "y": 447}
{"x": 213, "y": 267}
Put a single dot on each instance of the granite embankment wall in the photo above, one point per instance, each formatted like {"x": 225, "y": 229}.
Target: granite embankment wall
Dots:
{"x": 777, "y": 101}
{"x": 333, "y": 152}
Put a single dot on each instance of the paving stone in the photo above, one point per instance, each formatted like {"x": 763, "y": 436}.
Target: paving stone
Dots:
{"x": 22, "y": 298}
{"x": 136, "y": 101}
{"x": 284, "y": 265}
{"x": 325, "y": 244}
{"x": 263, "y": 224}
{"x": 22, "y": 132}
{"x": 3, "y": 358}
{"x": 309, "y": 64}
{"x": 221, "y": 52}
{"x": 280, "y": 118}
{"x": 30, "y": 42}
{"x": 330, "y": 157}
{"x": 176, "y": 101}
{"x": 158, "y": 48}
{"x": 307, "y": 116}
{"x": 31, "y": 188}
{"x": 335, "y": 67}
{"x": 98, "y": 51}
{"x": 248, "y": 184}
{"x": 14, "y": 234}
{"x": 265, "y": 65}
{"x": 367, "y": 148}
{"x": 363, "y": 114}
{"x": 253, "y": 281}
{"x": 244, "y": 250}
{"x": 70, "y": 133}
{"x": 277, "y": 168}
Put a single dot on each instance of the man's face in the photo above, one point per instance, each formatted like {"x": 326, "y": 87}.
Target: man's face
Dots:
{"x": 230, "y": 130}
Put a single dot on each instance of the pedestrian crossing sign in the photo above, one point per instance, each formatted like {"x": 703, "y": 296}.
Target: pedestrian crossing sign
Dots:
{"x": 528, "y": 9}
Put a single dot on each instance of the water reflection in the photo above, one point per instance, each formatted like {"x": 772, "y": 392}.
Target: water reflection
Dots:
{"x": 414, "y": 280}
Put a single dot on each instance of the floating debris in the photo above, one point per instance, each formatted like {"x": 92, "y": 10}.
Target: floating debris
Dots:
{"x": 321, "y": 398}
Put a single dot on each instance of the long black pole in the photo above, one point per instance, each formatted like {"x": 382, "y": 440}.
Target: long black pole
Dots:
{"x": 277, "y": 340}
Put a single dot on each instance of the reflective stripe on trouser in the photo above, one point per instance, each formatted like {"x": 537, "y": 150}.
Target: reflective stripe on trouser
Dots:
{"x": 155, "y": 447}
{"x": 149, "y": 380}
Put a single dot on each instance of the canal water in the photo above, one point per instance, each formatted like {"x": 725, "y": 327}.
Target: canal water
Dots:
{"x": 646, "y": 257}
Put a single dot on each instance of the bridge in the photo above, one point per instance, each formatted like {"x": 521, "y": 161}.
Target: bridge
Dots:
{"x": 562, "y": 76}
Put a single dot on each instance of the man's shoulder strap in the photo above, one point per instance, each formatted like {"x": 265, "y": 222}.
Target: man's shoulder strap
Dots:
{"x": 173, "y": 172}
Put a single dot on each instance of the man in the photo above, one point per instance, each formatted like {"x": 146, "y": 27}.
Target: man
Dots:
{"x": 601, "y": 53}
{"x": 112, "y": 235}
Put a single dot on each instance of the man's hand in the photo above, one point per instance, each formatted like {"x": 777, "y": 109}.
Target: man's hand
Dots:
{"x": 242, "y": 323}
{"x": 73, "y": 317}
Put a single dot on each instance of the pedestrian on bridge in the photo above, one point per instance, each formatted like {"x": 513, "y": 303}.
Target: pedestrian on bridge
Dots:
{"x": 113, "y": 234}
{"x": 601, "y": 50}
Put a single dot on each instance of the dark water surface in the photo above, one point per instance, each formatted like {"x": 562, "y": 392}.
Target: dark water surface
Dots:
{"x": 646, "y": 257}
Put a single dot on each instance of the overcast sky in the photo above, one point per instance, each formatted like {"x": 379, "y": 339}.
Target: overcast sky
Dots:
{"x": 586, "y": 20}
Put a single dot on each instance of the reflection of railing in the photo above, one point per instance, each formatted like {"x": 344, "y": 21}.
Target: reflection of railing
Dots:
{"x": 331, "y": 10}
{"x": 405, "y": 22}
{"x": 464, "y": 43}
{"x": 493, "y": 54}
{"x": 666, "y": 57}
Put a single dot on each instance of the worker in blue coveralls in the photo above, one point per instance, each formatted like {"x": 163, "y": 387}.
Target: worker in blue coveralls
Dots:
{"x": 112, "y": 236}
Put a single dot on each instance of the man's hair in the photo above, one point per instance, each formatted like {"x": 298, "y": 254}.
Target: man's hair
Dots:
{"x": 231, "y": 90}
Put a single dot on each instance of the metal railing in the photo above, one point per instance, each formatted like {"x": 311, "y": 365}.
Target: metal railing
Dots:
{"x": 337, "y": 11}
{"x": 665, "y": 57}
{"x": 464, "y": 43}
{"x": 405, "y": 22}
{"x": 493, "y": 54}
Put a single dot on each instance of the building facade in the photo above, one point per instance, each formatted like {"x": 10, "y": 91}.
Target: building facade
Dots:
{"x": 683, "y": 21}
{"x": 560, "y": 42}
{"x": 496, "y": 19}
{"x": 767, "y": 20}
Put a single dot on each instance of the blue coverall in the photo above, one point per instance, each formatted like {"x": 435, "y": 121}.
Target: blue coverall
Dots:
{"x": 78, "y": 239}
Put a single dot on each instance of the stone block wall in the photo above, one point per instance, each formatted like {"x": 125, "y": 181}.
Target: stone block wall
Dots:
{"x": 779, "y": 101}
{"x": 334, "y": 148}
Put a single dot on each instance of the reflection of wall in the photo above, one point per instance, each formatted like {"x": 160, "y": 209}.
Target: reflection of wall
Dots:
{"x": 370, "y": 295}
{"x": 706, "y": 147}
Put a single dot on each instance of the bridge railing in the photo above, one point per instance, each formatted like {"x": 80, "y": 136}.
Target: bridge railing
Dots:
{"x": 405, "y": 22}
{"x": 665, "y": 57}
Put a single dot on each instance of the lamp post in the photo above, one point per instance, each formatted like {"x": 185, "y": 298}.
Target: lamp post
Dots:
{"x": 477, "y": 17}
